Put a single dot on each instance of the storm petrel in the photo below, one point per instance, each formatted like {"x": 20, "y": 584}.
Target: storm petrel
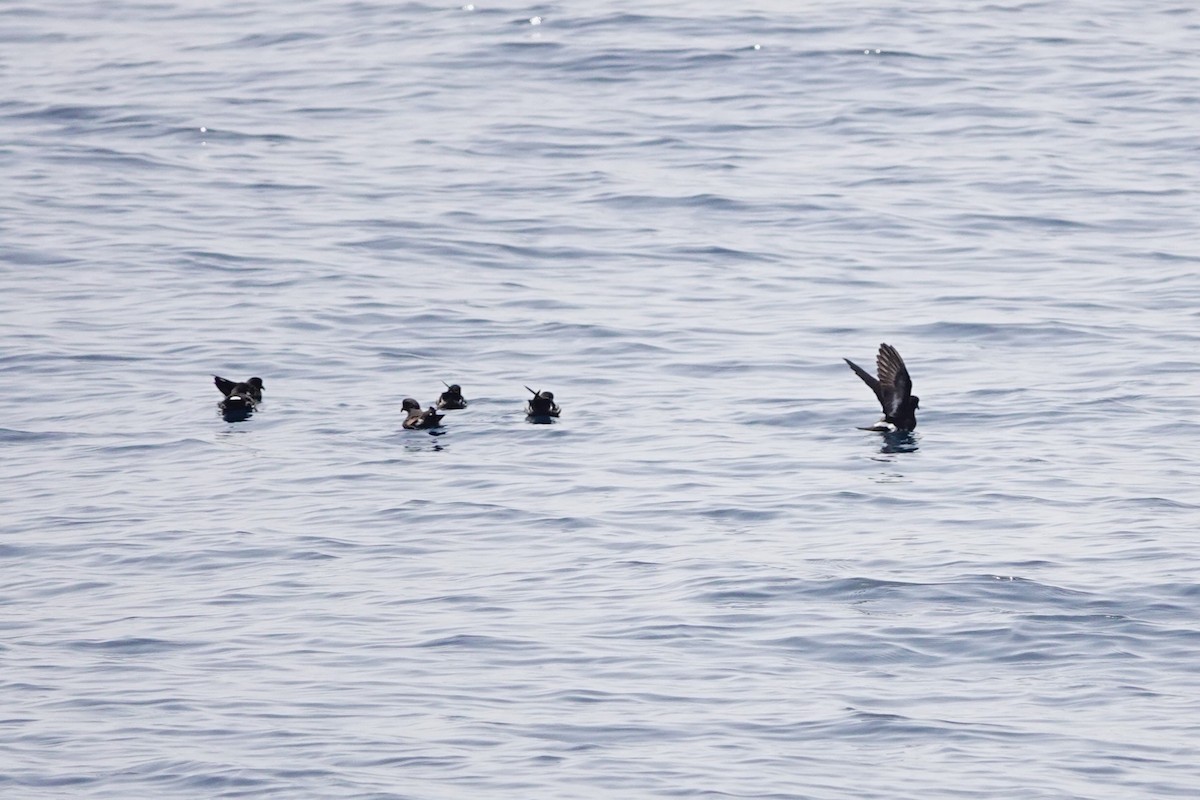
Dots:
{"x": 239, "y": 397}
{"x": 893, "y": 387}
{"x": 451, "y": 398}
{"x": 418, "y": 419}
{"x": 541, "y": 407}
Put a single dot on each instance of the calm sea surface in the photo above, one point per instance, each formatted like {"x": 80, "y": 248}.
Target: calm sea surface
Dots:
{"x": 679, "y": 216}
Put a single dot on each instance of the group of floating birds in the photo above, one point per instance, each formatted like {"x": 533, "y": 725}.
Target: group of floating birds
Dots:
{"x": 891, "y": 384}
{"x": 242, "y": 398}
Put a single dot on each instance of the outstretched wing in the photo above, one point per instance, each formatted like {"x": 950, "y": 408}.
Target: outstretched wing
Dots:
{"x": 868, "y": 379}
{"x": 223, "y": 385}
{"x": 894, "y": 382}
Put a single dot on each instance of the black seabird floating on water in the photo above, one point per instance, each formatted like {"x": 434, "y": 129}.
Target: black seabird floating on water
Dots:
{"x": 452, "y": 398}
{"x": 418, "y": 419}
{"x": 240, "y": 398}
{"x": 893, "y": 387}
{"x": 541, "y": 408}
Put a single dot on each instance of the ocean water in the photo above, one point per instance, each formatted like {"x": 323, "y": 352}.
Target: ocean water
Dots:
{"x": 703, "y": 581}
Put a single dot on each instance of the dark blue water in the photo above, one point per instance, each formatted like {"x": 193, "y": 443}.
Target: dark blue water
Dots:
{"x": 702, "y": 580}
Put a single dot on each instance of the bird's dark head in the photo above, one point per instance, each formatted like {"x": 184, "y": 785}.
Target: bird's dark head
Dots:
{"x": 256, "y": 383}
{"x": 454, "y": 388}
{"x": 916, "y": 401}
{"x": 546, "y": 395}
{"x": 410, "y": 404}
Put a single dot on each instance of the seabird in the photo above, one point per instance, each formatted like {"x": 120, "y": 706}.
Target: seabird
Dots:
{"x": 418, "y": 419}
{"x": 451, "y": 398}
{"x": 893, "y": 388}
{"x": 240, "y": 398}
{"x": 541, "y": 407}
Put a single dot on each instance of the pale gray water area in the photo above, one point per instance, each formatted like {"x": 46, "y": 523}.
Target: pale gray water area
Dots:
{"x": 701, "y": 580}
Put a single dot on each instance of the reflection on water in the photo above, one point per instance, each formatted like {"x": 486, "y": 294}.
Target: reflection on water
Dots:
{"x": 416, "y": 444}
{"x": 235, "y": 414}
{"x": 899, "y": 442}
